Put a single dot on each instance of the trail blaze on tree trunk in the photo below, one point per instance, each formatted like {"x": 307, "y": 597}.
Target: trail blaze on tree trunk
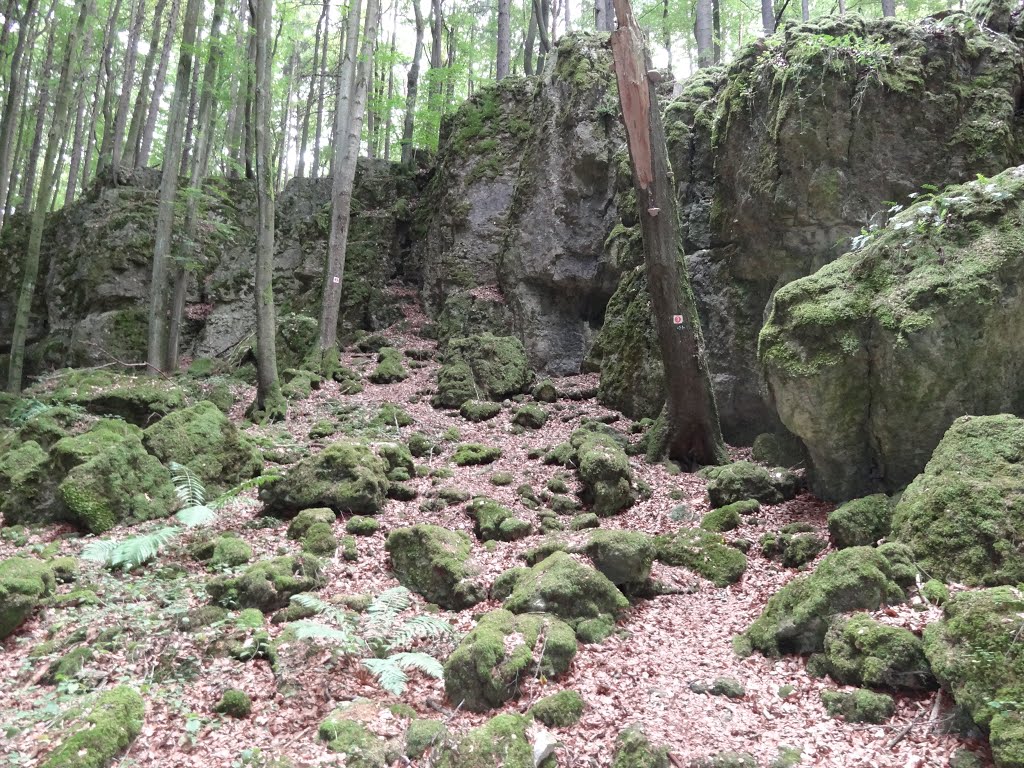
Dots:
{"x": 693, "y": 435}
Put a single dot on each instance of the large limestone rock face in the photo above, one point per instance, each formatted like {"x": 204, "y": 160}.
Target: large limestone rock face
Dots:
{"x": 96, "y": 263}
{"x": 515, "y": 218}
{"x": 872, "y": 358}
{"x": 786, "y": 155}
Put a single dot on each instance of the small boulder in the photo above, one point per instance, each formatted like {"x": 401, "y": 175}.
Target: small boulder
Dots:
{"x": 861, "y": 522}
{"x": 479, "y": 410}
{"x": 859, "y": 706}
{"x": 434, "y": 562}
{"x": 303, "y": 521}
{"x": 495, "y": 522}
{"x": 346, "y": 477}
{"x": 633, "y": 749}
{"x": 470, "y": 454}
{"x": 24, "y": 476}
{"x": 862, "y": 651}
{"x": 704, "y": 553}
{"x": 746, "y": 480}
{"x": 269, "y": 584}
{"x": 23, "y": 583}
{"x": 389, "y": 367}
{"x": 624, "y": 557}
{"x": 497, "y": 656}
{"x": 501, "y": 741}
{"x": 110, "y": 727}
{"x": 530, "y": 416}
{"x": 604, "y": 472}
{"x": 792, "y": 548}
{"x": 559, "y": 710}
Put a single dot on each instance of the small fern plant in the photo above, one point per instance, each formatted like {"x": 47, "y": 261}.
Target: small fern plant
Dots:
{"x": 380, "y": 637}
{"x": 137, "y": 550}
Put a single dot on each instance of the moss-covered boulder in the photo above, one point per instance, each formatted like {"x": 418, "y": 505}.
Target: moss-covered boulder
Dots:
{"x": 470, "y": 454}
{"x": 345, "y": 476}
{"x": 501, "y": 742}
{"x": 975, "y": 654}
{"x": 398, "y": 461}
{"x": 575, "y": 593}
{"x": 269, "y": 584}
{"x": 483, "y": 367}
{"x": 624, "y": 557}
{"x": 603, "y": 469}
{"x": 862, "y": 651}
{"x": 307, "y": 518}
{"x": 495, "y": 522}
{"x": 121, "y": 483}
{"x": 559, "y": 710}
{"x": 24, "y": 476}
{"x": 723, "y": 519}
{"x": 320, "y": 540}
{"x": 423, "y": 734}
{"x": 206, "y": 441}
{"x": 68, "y": 452}
{"x": 962, "y": 516}
{"x": 792, "y": 548}
{"x": 434, "y": 562}
{"x": 745, "y": 480}
{"x": 703, "y": 552}
{"x": 633, "y": 749}
{"x": 779, "y": 449}
{"x": 859, "y": 706}
{"x": 858, "y": 356}
{"x": 497, "y": 657}
{"x": 227, "y": 551}
{"x": 861, "y": 522}
{"x": 138, "y": 400}
{"x": 234, "y": 703}
{"x": 389, "y": 367}
{"x": 351, "y": 738}
{"x": 530, "y": 416}
{"x": 23, "y": 583}
{"x": 479, "y": 410}
{"x": 797, "y": 616}
{"x": 105, "y": 732}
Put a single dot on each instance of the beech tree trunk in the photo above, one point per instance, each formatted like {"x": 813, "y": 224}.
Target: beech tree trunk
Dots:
{"x": 30, "y": 263}
{"x": 768, "y": 17}
{"x": 146, "y": 139}
{"x": 128, "y": 82}
{"x": 131, "y": 142}
{"x": 604, "y": 13}
{"x": 341, "y": 194}
{"x": 322, "y": 86}
{"x": 28, "y": 181}
{"x": 703, "y": 31}
{"x": 314, "y": 85}
{"x": 504, "y": 58}
{"x": 411, "y": 89}
{"x": 107, "y": 69}
{"x": 389, "y": 121}
{"x": 542, "y": 8}
{"x": 158, "y": 316}
{"x": 692, "y": 432}
{"x": 270, "y": 404}
{"x": 888, "y": 7}
{"x": 531, "y": 39}
{"x": 9, "y": 120}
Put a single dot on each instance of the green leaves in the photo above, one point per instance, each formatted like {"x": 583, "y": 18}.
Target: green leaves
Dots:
{"x": 131, "y": 552}
{"x": 390, "y": 672}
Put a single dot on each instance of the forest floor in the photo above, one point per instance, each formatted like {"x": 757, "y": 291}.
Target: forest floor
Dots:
{"x": 641, "y": 674}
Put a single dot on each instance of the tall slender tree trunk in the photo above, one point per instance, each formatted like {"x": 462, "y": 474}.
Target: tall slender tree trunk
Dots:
{"x": 128, "y": 83}
{"x": 107, "y": 68}
{"x": 233, "y": 132}
{"x": 604, "y": 15}
{"x": 9, "y": 119}
{"x": 270, "y": 404}
{"x": 504, "y": 60}
{"x": 805, "y": 10}
{"x": 389, "y": 122}
{"x": 28, "y": 181}
{"x": 768, "y": 17}
{"x": 449, "y": 68}
{"x": 248, "y": 135}
{"x": 341, "y": 194}
{"x": 716, "y": 17}
{"x": 543, "y": 9}
{"x": 435, "y": 91}
{"x": 412, "y": 89}
{"x": 190, "y": 120}
{"x": 78, "y": 140}
{"x": 314, "y": 84}
{"x": 200, "y": 167}
{"x": 146, "y": 139}
{"x": 693, "y": 435}
{"x": 322, "y": 88}
{"x": 134, "y": 137}
{"x": 30, "y": 264}
{"x": 19, "y": 144}
{"x": 282, "y": 142}
{"x": 157, "y": 338}
{"x": 888, "y": 7}
{"x": 531, "y": 39}
{"x": 703, "y": 32}
{"x": 842, "y": 7}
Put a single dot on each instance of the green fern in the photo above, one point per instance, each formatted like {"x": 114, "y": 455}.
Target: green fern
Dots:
{"x": 133, "y": 551}
{"x": 391, "y": 672}
{"x": 187, "y": 485}
{"x": 419, "y": 627}
{"x": 344, "y": 636}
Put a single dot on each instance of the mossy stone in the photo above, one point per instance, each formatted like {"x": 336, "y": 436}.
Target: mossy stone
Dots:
{"x": 797, "y": 616}
{"x": 230, "y": 552}
{"x": 584, "y": 521}
{"x": 859, "y": 706}
{"x": 746, "y": 480}
{"x": 506, "y": 581}
{"x": 23, "y": 582}
{"x": 69, "y": 452}
{"x": 479, "y": 410}
{"x": 704, "y": 553}
{"x": 345, "y": 476}
{"x": 721, "y": 519}
{"x": 729, "y": 687}
{"x": 470, "y": 454}
{"x": 389, "y": 367}
{"x": 530, "y": 416}
{"x": 422, "y": 735}
{"x": 434, "y": 562}
{"x": 110, "y": 727}
{"x": 497, "y": 363}
{"x": 269, "y": 584}
{"x": 624, "y": 557}
{"x": 302, "y": 522}
{"x": 24, "y": 474}
{"x": 561, "y": 586}
{"x": 361, "y": 747}
{"x": 793, "y": 550}
{"x": 545, "y": 391}
{"x": 502, "y": 740}
{"x": 603, "y": 471}
{"x": 234, "y": 703}
{"x": 861, "y": 522}
{"x": 122, "y": 483}
{"x": 495, "y": 522}
{"x": 139, "y": 400}
{"x": 420, "y": 445}
{"x": 455, "y": 385}
{"x": 398, "y": 461}
{"x": 559, "y": 710}
{"x": 320, "y": 540}
{"x": 358, "y": 525}
{"x": 862, "y": 651}
{"x": 633, "y": 749}
{"x": 393, "y": 415}
{"x": 497, "y": 656}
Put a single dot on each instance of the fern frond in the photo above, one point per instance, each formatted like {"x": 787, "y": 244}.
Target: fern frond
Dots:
{"x": 196, "y": 516}
{"x": 187, "y": 485}
{"x": 99, "y": 551}
{"x": 133, "y": 551}
{"x": 231, "y": 493}
{"x": 387, "y": 605}
{"x": 312, "y": 603}
{"x": 421, "y": 626}
{"x": 392, "y": 678}
{"x": 348, "y": 641}
{"x": 424, "y": 662}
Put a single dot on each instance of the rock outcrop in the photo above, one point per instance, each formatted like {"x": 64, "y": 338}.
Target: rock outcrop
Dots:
{"x": 872, "y": 358}
{"x": 791, "y": 151}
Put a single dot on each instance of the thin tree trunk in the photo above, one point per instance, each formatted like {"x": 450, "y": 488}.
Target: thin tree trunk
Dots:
{"x": 270, "y": 404}
{"x": 30, "y": 265}
{"x": 314, "y": 83}
{"x": 604, "y": 15}
{"x": 768, "y": 17}
{"x": 504, "y": 61}
{"x": 703, "y": 32}
{"x": 346, "y": 79}
{"x": 341, "y": 194}
{"x": 43, "y": 101}
{"x": 190, "y": 121}
{"x": 322, "y": 87}
{"x": 542, "y": 8}
{"x": 134, "y": 137}
{"x": 436, "y": 79}
{"x": 157, "y": 338}
{"x": 128, "y": 83}
{"x": 107, "y": 68}
{"x": 716, "y": 17}
{"x": 389, "y": 123}
{"x": 200, "y": 166}
{"x": 9, "y": 121}
{"x": 411, "y": 89}
{"x": 233, "y": 131}
{"x": 693, "y": 434}
{"x": 842, "y": 7}
{"x": 888, "y": 7}
{"x": 282, "y": 152}
{"x": 805, "y": 10}
{"x": 568, "y": 20}
{"x": 146, "y": 140}
{"x": 531, "y": 37}
{"x": 22, "y": 132}
{"x": 249, "y": 137}
{"x": 58, "y": 170}
{"x": 79, "y": 133}
{"x": 449, "y": 68}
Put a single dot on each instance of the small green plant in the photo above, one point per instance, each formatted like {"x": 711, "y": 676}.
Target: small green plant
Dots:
{"x": 379, "y": 635}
